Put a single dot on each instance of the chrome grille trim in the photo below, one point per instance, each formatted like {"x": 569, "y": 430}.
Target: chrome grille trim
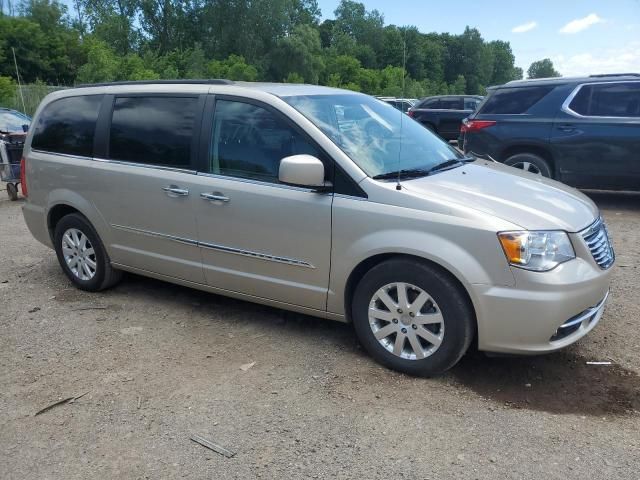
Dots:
{"x": 596, "y": 236}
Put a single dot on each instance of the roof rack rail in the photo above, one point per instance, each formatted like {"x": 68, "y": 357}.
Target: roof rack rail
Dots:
{"x": 212, "y": 81}
{"x": 600, "y": 75}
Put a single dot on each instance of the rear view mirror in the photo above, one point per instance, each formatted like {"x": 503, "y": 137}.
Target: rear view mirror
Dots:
{"x": 302, "y": 170}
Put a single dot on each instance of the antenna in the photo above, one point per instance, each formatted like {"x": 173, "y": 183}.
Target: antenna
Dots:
{"x": 15, "y": 62}
{"x": 404, "y": 63}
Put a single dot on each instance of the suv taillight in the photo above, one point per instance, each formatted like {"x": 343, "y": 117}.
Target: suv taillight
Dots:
{"x": 410, "y": 113}
{"x": 475, "y": 125}
{"x": 23, "y": 176}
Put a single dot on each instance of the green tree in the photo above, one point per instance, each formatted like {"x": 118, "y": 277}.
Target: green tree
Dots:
{"x": 113, "y": 22}
{"x": 542, "y": 69}
{"x": 102, "y": 64}
{"x": 299, "y": 52}
{"x": 233, "y": 68}
{"x": 7, "y": 91}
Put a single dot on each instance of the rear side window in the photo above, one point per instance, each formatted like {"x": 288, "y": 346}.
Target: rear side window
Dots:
{"x": 451, "y": 104}
{"x": 153, "y": 130}
{"x": 471, "y": 103}
{"x": 515, "y": 100}
{"x": 608, "y": 100}
{"x": 434, "y": 103}
{"x": 68, "y": 126}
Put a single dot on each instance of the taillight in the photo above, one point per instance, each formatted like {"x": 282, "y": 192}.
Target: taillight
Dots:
{"x": 475, "y": 125}
{"x": 23, "y": 176}
{"x": 410, "y": 113}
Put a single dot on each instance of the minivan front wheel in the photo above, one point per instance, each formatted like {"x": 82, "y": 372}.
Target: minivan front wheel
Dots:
{"x": 412, "y": 317}
{"x": 531, "y": 163}
{"x": 82, "y": 255}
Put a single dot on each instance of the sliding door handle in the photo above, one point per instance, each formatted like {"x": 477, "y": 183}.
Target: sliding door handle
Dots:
{"x": 175, "y": 191}
{"x": 214, "y": 197}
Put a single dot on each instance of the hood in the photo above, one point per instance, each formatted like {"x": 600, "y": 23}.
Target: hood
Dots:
{"x": 525, "y": 199}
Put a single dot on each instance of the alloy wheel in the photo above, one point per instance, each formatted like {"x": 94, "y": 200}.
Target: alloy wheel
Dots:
{"x": 406, "y": 321}
{"x": 527, "y": 167}
{"x": 79, "y": 254}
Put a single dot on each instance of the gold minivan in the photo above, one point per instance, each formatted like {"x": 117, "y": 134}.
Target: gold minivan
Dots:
{"x": 317, "y": 200}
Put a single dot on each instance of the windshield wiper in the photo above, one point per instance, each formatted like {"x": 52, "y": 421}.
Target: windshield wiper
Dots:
{"x": 407, "y": 173}
{"x": 423, "y": 172}
{"x": 447, "y": 164}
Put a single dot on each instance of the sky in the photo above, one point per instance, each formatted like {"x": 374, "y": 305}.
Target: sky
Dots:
{"x": 581, "y": 37}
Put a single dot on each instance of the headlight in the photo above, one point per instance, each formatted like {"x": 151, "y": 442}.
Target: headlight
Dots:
{"x": 537, "y": 251}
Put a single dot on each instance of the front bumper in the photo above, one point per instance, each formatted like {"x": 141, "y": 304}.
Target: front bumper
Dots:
{"x": 539, "y": 314}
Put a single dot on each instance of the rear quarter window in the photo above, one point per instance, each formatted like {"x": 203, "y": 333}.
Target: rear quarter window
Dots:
{"x": 68, "y": 126}
{"x": 608, "y": 100}
{"x": 516, "y": 100}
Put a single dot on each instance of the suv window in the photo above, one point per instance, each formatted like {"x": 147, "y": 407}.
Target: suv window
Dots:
{"x": 153, "y": 130}
{"x": 608, "y": 100}
{"x": 451, "y": 104}
{"x": 249, "y": 141}
{"x": 471, "y": 103}
{"x": 68, "y": 126}
{"x": 515, "y": 100}
{"x": 434, "y": 103}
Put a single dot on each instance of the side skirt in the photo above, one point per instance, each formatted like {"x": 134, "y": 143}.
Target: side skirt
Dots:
{"x": 229, "y": 293}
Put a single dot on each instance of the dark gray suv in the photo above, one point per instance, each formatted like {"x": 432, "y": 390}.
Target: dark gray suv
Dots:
{"x": 582, "y": 131}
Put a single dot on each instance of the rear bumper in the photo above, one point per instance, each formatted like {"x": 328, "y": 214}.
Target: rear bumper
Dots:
{"x": 544, "y": 312}
{"x": 36, "y": 221}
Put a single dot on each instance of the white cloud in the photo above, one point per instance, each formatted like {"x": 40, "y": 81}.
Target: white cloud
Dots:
{"x": 525, "y": 27}
{"x": 619, "y": 60}
{"x": 580, "y": 24}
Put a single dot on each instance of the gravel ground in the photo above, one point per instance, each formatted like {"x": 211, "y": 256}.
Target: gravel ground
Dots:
{"x": 159, "y": 363}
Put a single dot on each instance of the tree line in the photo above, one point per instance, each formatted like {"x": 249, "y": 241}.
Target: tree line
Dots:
{"x": 270, "y": 40}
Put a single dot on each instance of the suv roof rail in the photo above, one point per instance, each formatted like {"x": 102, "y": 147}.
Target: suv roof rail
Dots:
{"x": 600, "y": 75}
{"x": 212, "y": 81}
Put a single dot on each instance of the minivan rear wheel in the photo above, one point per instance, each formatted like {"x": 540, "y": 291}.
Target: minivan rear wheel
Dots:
{"x": 531, "y": 163}
{"x": 412, "y": 317}
{"x": 82, "y": 255}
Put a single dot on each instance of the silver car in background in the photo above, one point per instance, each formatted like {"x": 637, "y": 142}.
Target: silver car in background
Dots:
{"x": 316, "y": 200}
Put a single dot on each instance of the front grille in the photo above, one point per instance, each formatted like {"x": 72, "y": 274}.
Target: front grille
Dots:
{"x": 597, "y": 239}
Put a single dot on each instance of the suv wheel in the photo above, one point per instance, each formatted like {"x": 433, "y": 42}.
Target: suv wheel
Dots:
{"x": 412, "y": 317}
{"x": 531, "y": 163}
{"x": 82, "y": 255}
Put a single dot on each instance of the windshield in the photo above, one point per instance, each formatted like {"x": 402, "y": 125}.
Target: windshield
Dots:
{"x": 13, "y": 121}
{"x": 368, "y": 131}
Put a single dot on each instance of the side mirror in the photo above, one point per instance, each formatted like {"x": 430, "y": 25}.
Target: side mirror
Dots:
{"x": 302, "y": 170}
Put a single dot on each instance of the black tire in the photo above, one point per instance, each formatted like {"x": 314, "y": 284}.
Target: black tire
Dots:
{"x": 457, "y": 313}
{"x": 535, "y": 163}
{"x": 105, "y": 275}
{"x": 12, "y": 191}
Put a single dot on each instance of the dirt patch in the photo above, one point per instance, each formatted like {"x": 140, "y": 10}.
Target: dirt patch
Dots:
{"x": 560, "y": 383}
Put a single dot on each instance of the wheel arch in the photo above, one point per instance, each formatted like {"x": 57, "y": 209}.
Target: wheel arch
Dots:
{"x": 540, "y": 150}
{"x": 63, "y": 202}
{"x": 367, "y": 264}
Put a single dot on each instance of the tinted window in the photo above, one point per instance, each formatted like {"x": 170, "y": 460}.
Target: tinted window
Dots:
{"x": 451, "y": 104}
{"x": 249, "y": 141}
{"x": 608, "y": 100}
{"x": 153, "y": 130}
{"x": 471, "y": 103}
{"x": 515, "y": 100}
{"x": 433, "y": 103}
{"x": 68, "y": 126}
